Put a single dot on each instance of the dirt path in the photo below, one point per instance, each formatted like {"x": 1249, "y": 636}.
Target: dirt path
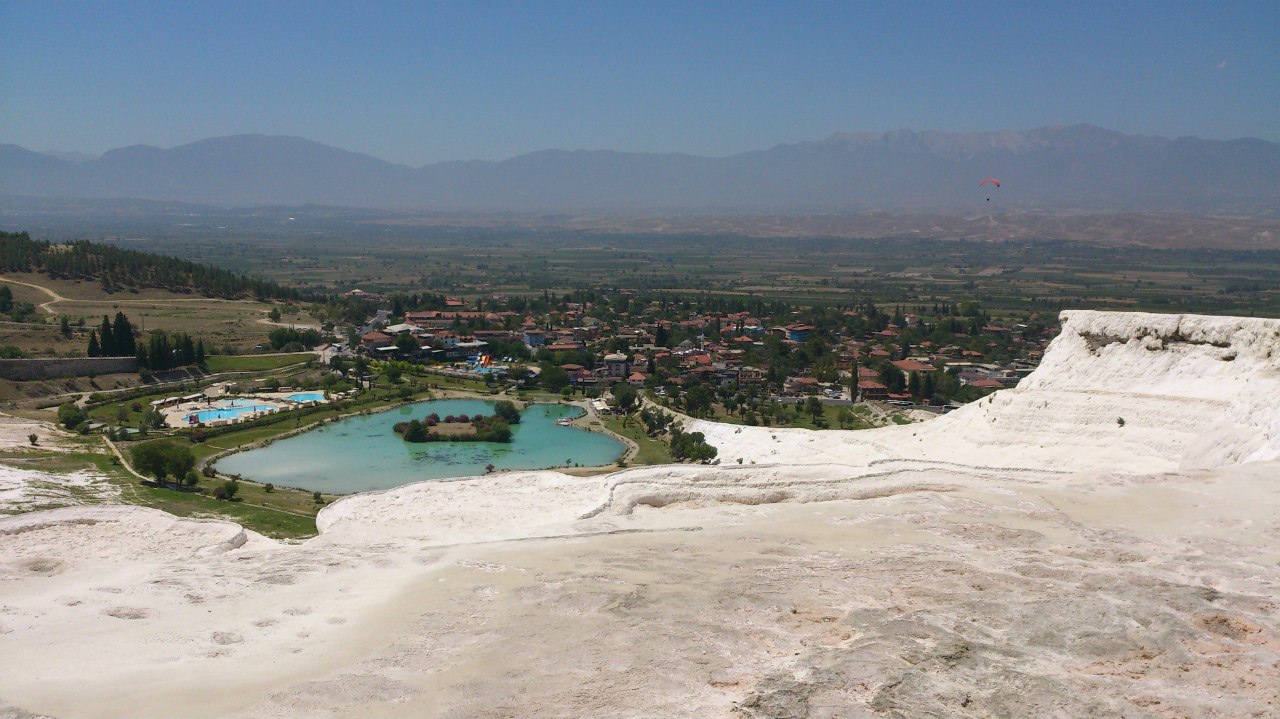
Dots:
{"x": 59, "y": 298}
{"x": 291, "y": 325}
{"x": 45, "y": 306}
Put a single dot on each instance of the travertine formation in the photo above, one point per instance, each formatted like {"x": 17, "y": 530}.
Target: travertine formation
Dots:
{"x": 1028, "y": 555}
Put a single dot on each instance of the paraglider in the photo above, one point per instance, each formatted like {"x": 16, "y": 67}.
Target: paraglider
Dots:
{"x": 989, "y": 181}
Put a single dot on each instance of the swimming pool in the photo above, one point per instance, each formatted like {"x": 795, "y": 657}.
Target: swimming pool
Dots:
{"x": 307, "y": 397}
{"x": 210, "y": 415}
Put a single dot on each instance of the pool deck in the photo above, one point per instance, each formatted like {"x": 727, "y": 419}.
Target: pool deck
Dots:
{"x": 176, "y": 415}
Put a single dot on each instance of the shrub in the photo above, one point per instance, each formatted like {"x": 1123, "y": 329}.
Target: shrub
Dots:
{"x": 69, "y": 415}
{"x": 315, "y": 496}
{"x": 227, "y": 490}
{"x": 268, "y": 488}
{"x": 33, "y": 438}
{"x": 1120, "y": 421}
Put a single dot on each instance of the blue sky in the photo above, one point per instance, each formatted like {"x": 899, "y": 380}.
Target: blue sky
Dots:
{"x": 425, "y": 82}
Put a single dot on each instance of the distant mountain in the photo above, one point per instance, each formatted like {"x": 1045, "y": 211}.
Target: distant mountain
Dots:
{"x": 1051, "y": 168}
{"x": 71, "y": 155}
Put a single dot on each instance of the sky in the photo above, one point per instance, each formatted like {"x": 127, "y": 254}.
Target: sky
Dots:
{"x": 426, "y": 82}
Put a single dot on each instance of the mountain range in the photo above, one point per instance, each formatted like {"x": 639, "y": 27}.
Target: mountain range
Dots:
{"x": 1076, "y": 167}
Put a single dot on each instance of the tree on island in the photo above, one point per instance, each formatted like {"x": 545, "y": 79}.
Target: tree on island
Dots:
{"x": 506, "y": 409}
{"x": 415, "y": 432}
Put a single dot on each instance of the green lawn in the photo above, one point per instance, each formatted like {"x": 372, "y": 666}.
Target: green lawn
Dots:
{"x": 651, "y": 451}
{"x": 250, "y": 363}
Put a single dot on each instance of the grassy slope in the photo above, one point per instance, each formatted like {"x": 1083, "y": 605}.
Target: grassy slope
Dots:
{"x": 651, "y": 451}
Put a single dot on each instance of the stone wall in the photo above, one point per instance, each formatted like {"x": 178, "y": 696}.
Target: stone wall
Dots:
{"x": 48, "y": 368}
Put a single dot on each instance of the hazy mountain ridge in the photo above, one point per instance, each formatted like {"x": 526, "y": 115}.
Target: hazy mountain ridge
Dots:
{"x": 1067, "y": 167}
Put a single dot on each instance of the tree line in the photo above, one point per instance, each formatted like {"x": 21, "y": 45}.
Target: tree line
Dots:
{"x": 117, "y": 268}
{"x": 162, "y": 350}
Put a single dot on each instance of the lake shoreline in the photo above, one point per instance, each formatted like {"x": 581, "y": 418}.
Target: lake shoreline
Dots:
{"x": 526, "y": 451}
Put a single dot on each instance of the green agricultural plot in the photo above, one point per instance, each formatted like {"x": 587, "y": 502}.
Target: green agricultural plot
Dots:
{"x": 249, "y": 363}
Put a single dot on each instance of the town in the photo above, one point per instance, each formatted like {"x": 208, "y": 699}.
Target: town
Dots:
{"x": 749, "y": 360}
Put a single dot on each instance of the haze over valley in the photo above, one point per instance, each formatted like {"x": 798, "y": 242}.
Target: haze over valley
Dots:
{"x": 1077, "y": 167}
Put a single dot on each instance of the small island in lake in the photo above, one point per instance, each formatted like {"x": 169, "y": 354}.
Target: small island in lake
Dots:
{"x": 462, "y": 428}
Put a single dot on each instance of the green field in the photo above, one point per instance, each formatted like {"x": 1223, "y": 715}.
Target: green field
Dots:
{"x": 249, "y": 363}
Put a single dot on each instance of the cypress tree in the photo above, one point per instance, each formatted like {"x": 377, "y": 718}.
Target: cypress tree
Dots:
{"x": 913, "y": 384}
{"x": 107, "y": 338}
{"x": 94, "y": 349}
{"x": 122, "y": 334}
{"x": 200, "y": 352}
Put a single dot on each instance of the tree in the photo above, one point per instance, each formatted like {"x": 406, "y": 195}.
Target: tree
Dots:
{"x": 95, "y": 349}
{"x": 227, "y": 491}
{"x": 624, "y": 397}
{"x": 553, "y": 377}
{"x": 33, "y": 438}
{"x": 697, "y": 401}
{"x": 506, "y": 409}
{"x": 122, "y": 336}
{"x": 6, "y": 299}
{"x": 69, "y": 415}
{"x": 415, "y": 432}
{"x": 65, "y": 327}
{"x": 274, "y": 314}
{"x": 107, "y": 338}
{"x": 162, "y": 459}
{"x": 814, "y": 407}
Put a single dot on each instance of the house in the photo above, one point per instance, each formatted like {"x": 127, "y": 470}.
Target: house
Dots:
{"x": 913, "y": 365}
{"x": 869, "y": 390}
{"x": 374, "y": 340}
{"x": 534, "y": 338}
{"x": 636, "y": 379}
{"x": 798, "y": 332}
{"x": 615, "y": 367}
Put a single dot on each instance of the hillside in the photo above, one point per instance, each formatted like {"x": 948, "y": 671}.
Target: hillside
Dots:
{"x": 1028, "y": 555}
{"x": 1078, "y": 167}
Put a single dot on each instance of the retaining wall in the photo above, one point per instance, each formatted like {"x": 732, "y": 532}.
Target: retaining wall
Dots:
{"x": 48, "y": 368}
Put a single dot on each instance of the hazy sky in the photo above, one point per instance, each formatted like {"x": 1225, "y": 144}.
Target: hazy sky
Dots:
{"x": 422, "y": 82}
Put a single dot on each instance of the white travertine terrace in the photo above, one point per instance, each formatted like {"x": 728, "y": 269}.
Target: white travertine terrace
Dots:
{"x": 1026, "y": 555}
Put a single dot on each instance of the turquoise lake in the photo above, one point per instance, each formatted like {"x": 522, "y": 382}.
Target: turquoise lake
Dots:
{"x": 359, "y": 454}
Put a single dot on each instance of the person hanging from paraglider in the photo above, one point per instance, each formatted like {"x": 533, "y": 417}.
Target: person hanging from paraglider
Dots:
{"x": 989, "y": 181}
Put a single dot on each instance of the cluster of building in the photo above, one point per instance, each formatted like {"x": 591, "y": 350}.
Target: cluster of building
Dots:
{"x": 597, "y": 346}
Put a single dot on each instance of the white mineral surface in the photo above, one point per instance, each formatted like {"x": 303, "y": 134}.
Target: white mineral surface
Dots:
{"x": 1027, "y": 556}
